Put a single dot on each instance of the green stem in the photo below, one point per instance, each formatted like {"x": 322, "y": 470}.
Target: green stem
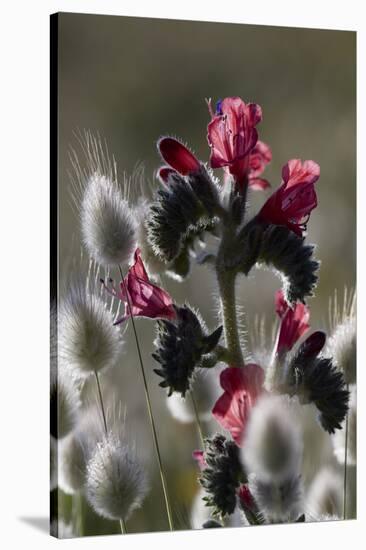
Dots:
{"x": 101, "y": 402}
{"x": 149, "y": 408}
{"x": 122, "y": 523}
{"x": 345, "y": 467}
{"x": 123, "y": 526}
{"x": 198, "y": 422}
{"x": 226, "y": 280}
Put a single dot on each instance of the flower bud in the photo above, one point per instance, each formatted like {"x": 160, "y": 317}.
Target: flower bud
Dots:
{"x": 222, "y": 475}
{"x": 178, "y": 156}
{"x": 287, "y": 254}
{"x": 316, "y": 380}
{"x": 181, "y": 344}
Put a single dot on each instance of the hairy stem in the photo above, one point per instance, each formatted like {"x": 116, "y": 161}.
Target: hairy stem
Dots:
{"x": 226, "y": 280}
{"x": 149, "y": 408}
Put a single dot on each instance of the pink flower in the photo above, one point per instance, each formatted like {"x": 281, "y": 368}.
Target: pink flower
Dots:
{"x": 177, "y": 156}
{"x": 199, "y": 457}
{"x": 242, "y": 387}
{"x": 294, "y": 200}
{"x": 246, "y": 497}
{"x": 294, "y": 323}
{"x": 144, "y": 298}
{"x": 233, "y": 137}
{"x": 259, "y": 157}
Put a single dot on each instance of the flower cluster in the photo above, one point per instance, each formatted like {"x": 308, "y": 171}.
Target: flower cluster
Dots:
{"x": 267, "y": 406}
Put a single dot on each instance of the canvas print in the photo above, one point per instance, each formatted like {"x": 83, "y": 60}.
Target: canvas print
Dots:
{"x": 203, "y": 289}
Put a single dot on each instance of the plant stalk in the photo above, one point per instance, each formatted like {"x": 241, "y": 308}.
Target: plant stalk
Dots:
{"x": 149, "y": 408}
{"x": 122, "y": 523}
{"x": 101, "y": 402}
{"x": 123, "y": 526}
{"x": 345, "y": 467}
{"x": 226, "y": 280}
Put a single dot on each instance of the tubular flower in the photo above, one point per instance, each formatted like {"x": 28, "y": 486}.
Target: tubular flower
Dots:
{"x": 178, "y": 157}
{"x": 141, "y": 297}
{"x": 294, "y": 323}
{"x": 242, "y": 386}
{"x": 234, "y": 143}
{"x": 294, "y": 200}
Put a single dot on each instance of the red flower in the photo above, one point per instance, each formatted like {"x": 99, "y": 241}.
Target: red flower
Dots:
{"x": 177, "y": 156}
{"x": 294, "y": 323}
{"x": 144, "y": 298}
{"x": 164, "y": 172}
{"x": 294, "y": 200}
{"x": 232, "y": 137}
{"x": 246, "y": 497}
{"x": 259, "y": 157}
{"x": 242, "y": 387}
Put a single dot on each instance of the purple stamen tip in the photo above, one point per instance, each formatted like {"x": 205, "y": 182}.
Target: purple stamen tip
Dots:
{"x": 218, "y": 107}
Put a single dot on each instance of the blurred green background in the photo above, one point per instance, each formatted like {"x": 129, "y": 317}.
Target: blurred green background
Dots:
{"x": 132, "y": 80}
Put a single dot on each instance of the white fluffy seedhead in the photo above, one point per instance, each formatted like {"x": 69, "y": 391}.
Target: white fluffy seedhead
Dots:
{"x": 107, "y": 222}
{"x": 88, "y": 341}
{"x": 273, "y": 444}
{"x": 77, "y": 448}
{"x": 325, "y": 495}
{"x": 65, "y": 400}
{"x": 278, "y": 502}
{"x": 72, "y": 464}
{"x": 206, "y": 390}
{"x": 341, "y": 345}
{"x": 339, "y": 437}
{"x": 116, "y": 483}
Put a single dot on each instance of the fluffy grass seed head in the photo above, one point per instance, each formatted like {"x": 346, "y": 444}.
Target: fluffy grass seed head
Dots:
{"x": 116, "y": 483}
{"x": 206, "y": 390}
{"x": 88, "y": 341}
{"x": 339, "y": 437}
{"x": 342, "y": 343}
{"x": 72, "y": 464}
{"x": 278, "y": 502}
{"x": 64, "y": 400}
{"x": 107, "y": 223}
{"x": 77, "y": 448}
{"x": 325, "y": 494}
{"x": 273, "y": 444}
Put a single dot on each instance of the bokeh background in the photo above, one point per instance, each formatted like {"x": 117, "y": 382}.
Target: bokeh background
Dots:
{"x": 132, "y": 80}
